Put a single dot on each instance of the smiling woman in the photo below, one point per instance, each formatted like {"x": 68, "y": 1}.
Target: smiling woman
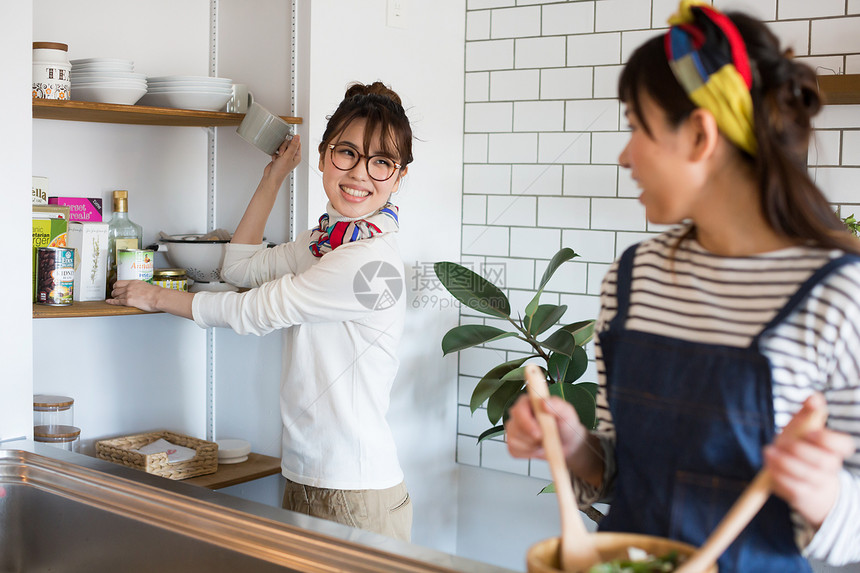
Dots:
{"x": 341, "y": 335}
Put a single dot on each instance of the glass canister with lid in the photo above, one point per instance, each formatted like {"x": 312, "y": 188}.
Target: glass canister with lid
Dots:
{"x": 52, "y": 410}
{"x": 64, "y": 437}
{"x": 52, "y": 71}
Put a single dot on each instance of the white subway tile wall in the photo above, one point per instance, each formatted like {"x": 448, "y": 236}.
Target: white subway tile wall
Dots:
{"x": 543, "y": 130}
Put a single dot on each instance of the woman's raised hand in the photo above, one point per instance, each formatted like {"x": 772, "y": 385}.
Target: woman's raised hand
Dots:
{"x": 285, "y": 159}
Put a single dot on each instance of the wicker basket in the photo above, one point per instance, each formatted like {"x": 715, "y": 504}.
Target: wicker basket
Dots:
{"x": 119, "y": 451}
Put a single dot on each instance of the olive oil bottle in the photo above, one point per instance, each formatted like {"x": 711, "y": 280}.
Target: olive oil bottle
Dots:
{"x": 123, "y": 233}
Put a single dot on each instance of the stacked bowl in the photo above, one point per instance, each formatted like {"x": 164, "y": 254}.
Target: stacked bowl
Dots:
{"x": 106, "y": 80}
{"x": 200, "y": 93}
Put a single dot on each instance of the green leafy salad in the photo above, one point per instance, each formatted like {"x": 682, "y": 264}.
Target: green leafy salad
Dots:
{"x": 640, "y": 561}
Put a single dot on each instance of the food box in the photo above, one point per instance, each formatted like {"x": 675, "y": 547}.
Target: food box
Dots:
{"x": 90, "y": 241}
{"x": 50, "y": 223}
{"x": 40, "y": 190}
{"x": 80, "y": 208}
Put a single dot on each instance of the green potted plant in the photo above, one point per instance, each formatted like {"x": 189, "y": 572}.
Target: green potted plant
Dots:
{"x": 560, "y": 352}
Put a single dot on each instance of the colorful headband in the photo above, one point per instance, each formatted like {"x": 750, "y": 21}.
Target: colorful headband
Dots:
{"x": 710, "y": 61}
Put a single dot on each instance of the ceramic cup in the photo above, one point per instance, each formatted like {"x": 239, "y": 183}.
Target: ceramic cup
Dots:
{"x": 263, "y": 129}
{"x": 240, "y": 100}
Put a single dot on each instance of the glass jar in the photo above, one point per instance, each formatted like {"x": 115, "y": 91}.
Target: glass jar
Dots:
{"x": 49, "y": 410}
{"x": 170, "y": 278}
{"x": 52, "y": 71}
{"x": 64, "y": 437}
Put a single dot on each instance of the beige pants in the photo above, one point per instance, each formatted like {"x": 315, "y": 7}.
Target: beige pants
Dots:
{"x": 385, "y": 511}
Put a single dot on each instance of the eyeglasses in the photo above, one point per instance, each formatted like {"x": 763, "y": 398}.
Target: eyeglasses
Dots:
{"x": 379, "y": 167}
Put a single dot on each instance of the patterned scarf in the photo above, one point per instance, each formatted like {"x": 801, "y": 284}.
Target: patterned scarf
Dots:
{"x": 710, "y": 61}
{"x": 328, "y": 236}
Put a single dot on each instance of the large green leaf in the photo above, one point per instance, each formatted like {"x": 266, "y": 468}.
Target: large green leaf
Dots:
{"x": 472, "y": 289}
{"x": 491, "y": 433}
{"x": 498, "y": 402}
{"x": 544, "y": 317}
{"x": 578, "y": 364}
{"x": 492, "y": 381}
{"x": 468, "y": 335}
{"x": 563, "y": 255}
{"x": 582, "y": 331}
{"x": 560, "y": 341}
{"x": 557, "y": 366}
{"x": 581, "y": 399}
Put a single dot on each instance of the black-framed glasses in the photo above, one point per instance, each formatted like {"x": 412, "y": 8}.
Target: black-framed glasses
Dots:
{"x": 379, "y": 167}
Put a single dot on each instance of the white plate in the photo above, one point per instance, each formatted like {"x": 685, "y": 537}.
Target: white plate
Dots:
{"x": 191, "y": 86}
{"x": 232, "y": 448}
{"x": 104, "y": 94}
{"x": 108, "y": 84}
{"x": 119, "y": 75}
{"x": 187, "y": 100}
{"x": 238, "y": 460}
{"x": 115, "y": 61}
{"x": 204, "y": 79}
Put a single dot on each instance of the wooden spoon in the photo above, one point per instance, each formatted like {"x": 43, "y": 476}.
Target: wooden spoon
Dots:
{"x": 750, "y": 501}
{"x": 576, "y": 548}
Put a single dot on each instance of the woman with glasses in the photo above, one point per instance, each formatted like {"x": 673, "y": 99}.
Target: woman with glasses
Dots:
{"x": 337, "y": 291}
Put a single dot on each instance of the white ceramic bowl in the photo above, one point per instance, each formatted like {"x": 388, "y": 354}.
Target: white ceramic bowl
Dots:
{"x": 187, "y": 100}
{"x": 107, "y": 94}
{"x": 110, "y": 83}
{"x": 203, "y": 79}
{"x": 200, "y": 259}
{"x": 189, "y": 87}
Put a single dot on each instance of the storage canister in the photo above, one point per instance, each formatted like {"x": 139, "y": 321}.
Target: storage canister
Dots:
{"x": 64, "y": 437}
{"x": 170, "y": 278}
{"x": 51, "y": 410}
{"x": 51, "y": 71}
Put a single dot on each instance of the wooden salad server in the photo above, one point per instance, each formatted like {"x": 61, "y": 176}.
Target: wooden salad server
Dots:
{"x": 750, "y": 502}
{"x": 576, "y": 548}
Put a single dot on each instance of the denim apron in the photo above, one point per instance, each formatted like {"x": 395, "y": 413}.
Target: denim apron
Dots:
{"x": 691, "y": 420}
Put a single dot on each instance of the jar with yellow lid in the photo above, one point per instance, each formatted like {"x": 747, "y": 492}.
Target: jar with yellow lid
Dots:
{"x": 170, "y": 278}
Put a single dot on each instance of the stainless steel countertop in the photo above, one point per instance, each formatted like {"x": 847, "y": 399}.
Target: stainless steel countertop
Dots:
{"x": 284, "y": 538}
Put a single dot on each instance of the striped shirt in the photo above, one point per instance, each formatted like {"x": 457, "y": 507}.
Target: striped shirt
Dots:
{"x": 684, "y": 292}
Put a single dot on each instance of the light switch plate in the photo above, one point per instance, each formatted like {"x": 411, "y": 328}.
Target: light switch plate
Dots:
{"x": 395, "y": 14}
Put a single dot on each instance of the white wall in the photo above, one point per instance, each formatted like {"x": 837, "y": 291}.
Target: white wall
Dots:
{"x": 340, "y": 42}
{"x": 543, "y": 130}
{"x": 16, "y": 379}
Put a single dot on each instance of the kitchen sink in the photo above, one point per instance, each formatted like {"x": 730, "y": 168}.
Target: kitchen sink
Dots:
{"x": 61, "y": 511}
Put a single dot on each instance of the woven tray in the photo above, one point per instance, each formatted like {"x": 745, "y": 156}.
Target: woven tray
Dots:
{"x": 118, "y": 450}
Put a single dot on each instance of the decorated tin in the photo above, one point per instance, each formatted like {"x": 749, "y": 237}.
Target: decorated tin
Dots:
{"x": 51, "y": 71}
{"x": 135, "y": 265}
{"x": 55, "y": 276}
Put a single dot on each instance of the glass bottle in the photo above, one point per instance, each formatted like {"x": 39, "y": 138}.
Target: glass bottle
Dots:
{"x": 123, "y": 233}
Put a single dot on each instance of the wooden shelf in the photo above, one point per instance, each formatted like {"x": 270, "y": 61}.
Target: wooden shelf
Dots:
{"x": 255, "y": 467}
{"x": 136, "y": 114}
{"x": 840, "y": 89}
{"x": 85, "y": 309}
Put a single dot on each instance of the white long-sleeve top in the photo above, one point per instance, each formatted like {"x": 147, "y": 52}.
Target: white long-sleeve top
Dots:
{"x": 339, "y": 353}
{"x": 691, "y": 294}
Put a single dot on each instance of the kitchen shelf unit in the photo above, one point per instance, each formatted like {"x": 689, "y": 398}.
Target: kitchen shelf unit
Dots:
{"x": 95, "y": 112}
{"x": 840, "y": 89}
{"x": 255, "y": 467}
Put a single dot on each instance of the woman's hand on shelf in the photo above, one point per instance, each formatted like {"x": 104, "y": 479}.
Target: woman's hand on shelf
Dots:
{"x": 151, "y": 298}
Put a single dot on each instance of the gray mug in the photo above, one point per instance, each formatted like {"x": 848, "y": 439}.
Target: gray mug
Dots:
{"x": 263, "y": 129}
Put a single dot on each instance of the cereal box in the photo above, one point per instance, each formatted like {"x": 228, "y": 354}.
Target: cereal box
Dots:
{"x": 80, "y": 208}
{"x": 90, "y": 241}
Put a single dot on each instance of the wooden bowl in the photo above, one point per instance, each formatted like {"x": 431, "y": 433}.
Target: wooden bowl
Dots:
{"x": 542, "y": 557}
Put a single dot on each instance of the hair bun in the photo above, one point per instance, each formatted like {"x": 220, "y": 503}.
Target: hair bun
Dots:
{"x": 376, "y": 88}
